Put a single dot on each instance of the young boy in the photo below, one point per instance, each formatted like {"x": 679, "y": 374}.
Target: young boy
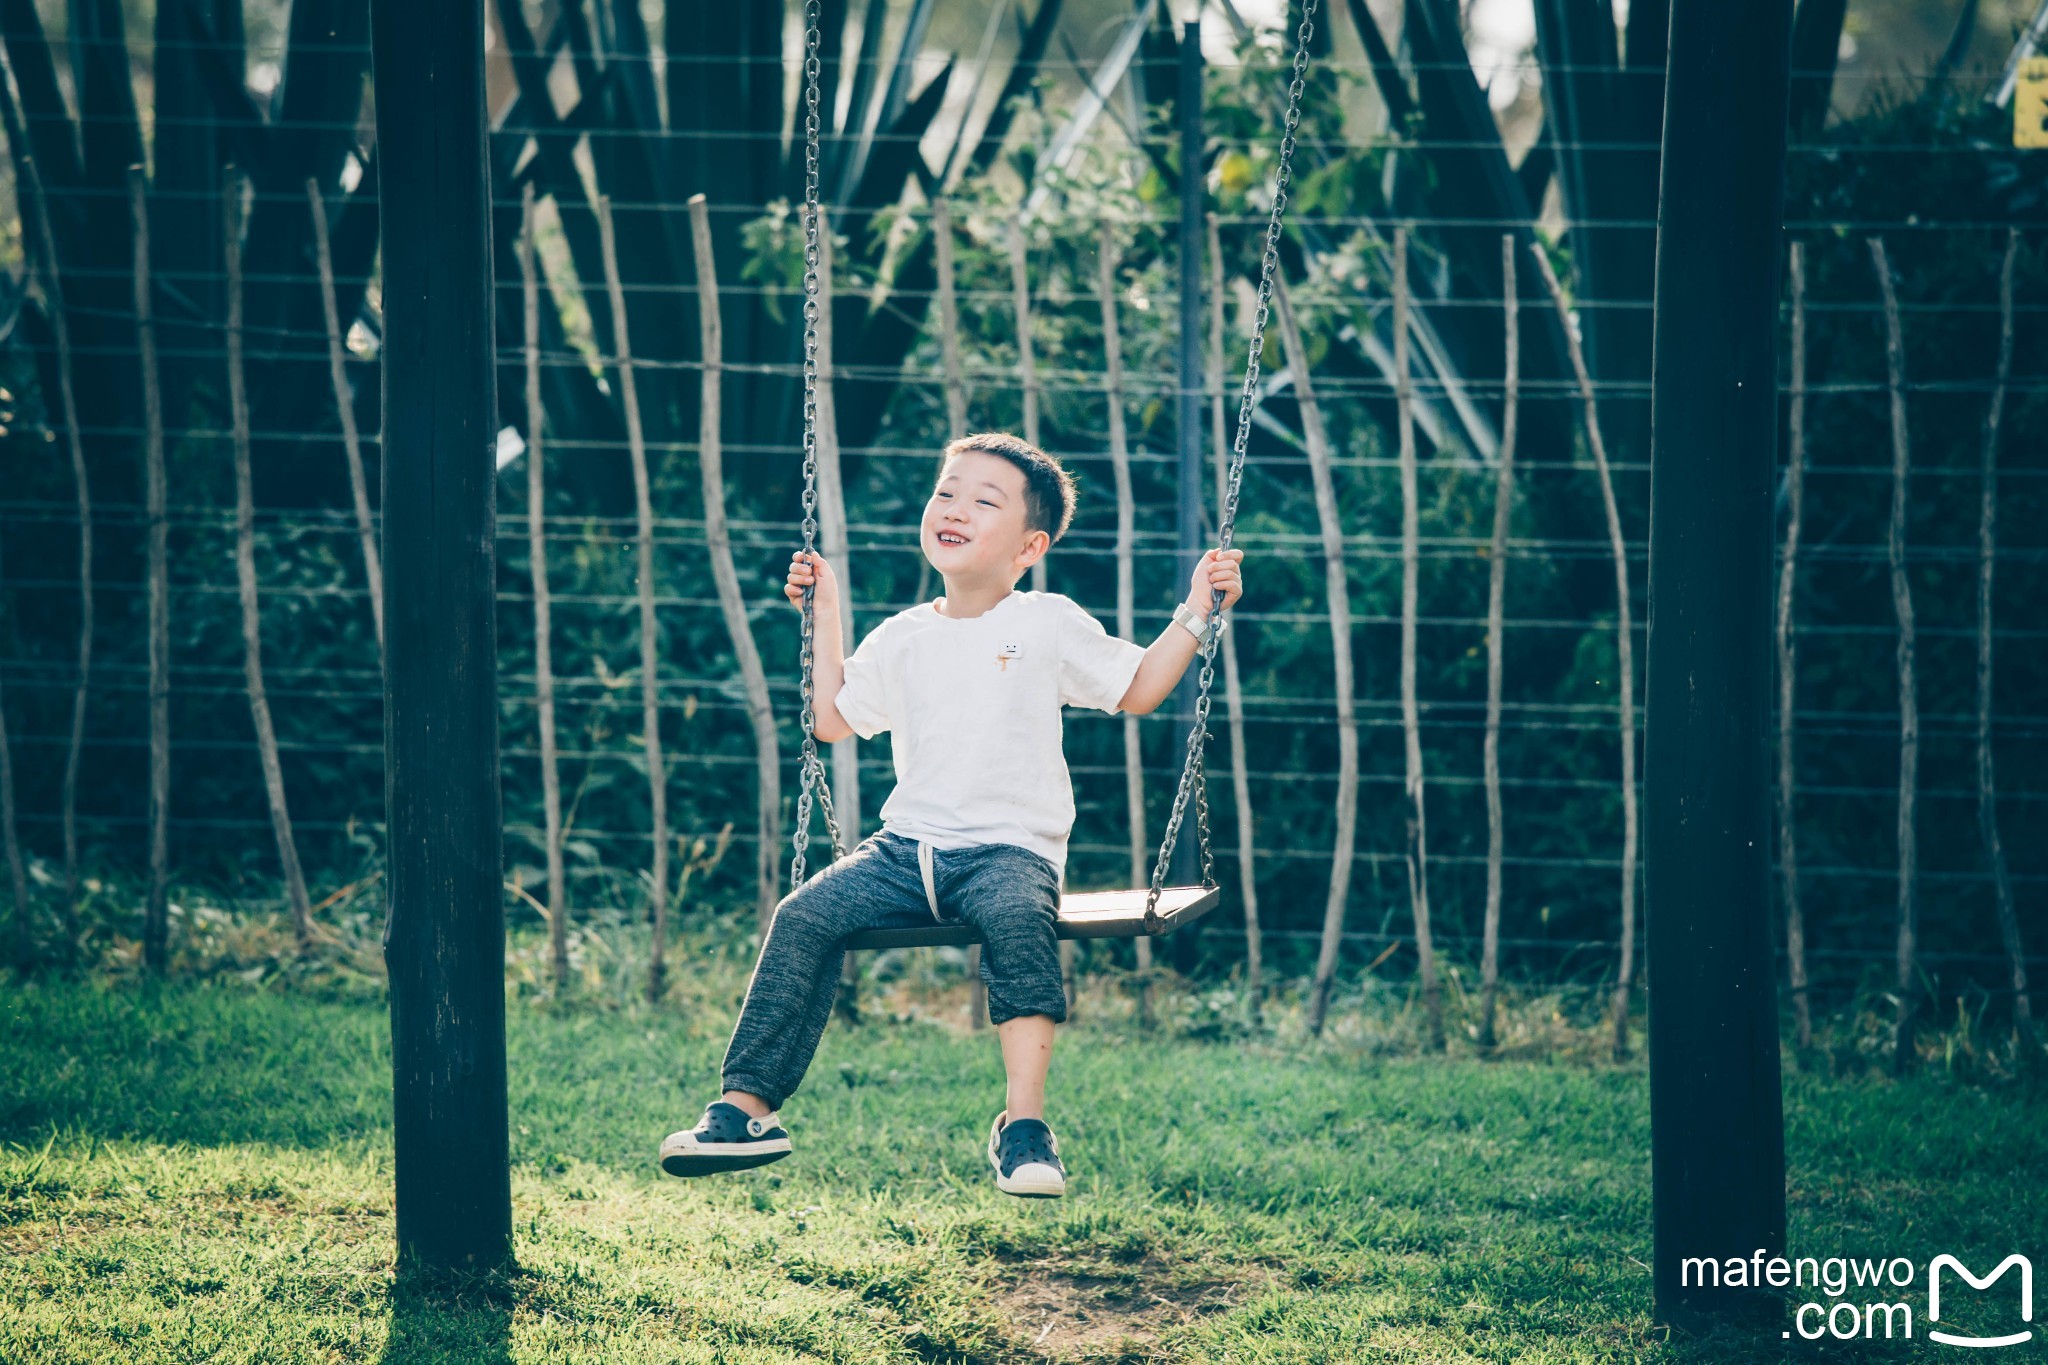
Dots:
{"x": 970, "y": 687}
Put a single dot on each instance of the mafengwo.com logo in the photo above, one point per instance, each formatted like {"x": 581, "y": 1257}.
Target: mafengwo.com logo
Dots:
{"x": 1849, "y": 1315}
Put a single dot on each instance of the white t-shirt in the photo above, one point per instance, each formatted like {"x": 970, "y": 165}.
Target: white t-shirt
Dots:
{"x": 973, "y": 711}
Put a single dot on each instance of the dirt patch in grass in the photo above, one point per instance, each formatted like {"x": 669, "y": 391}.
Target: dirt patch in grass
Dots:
{"x": 1061, "y": 1314}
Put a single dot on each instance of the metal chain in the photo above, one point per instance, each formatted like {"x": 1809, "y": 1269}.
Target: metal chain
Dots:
{"x": 1193, "y": 774}
{"x": 812, "y": 767}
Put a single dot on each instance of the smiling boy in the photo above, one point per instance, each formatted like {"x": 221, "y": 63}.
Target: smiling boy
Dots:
{"x": 970, "y": 688}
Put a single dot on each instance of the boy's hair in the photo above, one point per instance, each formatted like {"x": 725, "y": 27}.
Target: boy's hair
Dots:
{"x": 1048, "y": 488}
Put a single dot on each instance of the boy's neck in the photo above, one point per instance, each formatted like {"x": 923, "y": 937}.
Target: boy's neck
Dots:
{"x": 964, "y": 600}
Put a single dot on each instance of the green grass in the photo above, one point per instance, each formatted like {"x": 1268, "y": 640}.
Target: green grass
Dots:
{"x": 202, "y": 1172}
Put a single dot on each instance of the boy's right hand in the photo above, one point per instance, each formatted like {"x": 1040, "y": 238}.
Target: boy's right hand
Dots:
{"x": 806, "y": 571}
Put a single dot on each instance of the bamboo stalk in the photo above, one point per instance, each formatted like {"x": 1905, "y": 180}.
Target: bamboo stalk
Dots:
{"x": 1411, "y": 722}
{"x": 956, "y": 426}
{"x": 1126, "y": 585}
{"x": 650, "y": 635}
{"x": 245, "y": 572}
{"x": 60, "y": 326}
{"x": 718, "y": 545}
{"x": 1027, "y": 375}
{"x": 543, "y": 602}
{"x": 836, "y": 546}
{"x": 345, "y": 408}
{"x": 1788, "y": 572}
{"x": 949, "y": 322}
{"x": 1233, "y": 688}
{"x": 1987, "y": 548}
{"x": 1496, "y": 643}
{"x": 1909, "y": 696}
{"x": 1624, "y": 649}
{"x": 156, "y": 919}
{"x": 1336, "y": 584}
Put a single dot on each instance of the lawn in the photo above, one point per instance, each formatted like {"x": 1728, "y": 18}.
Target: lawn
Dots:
{"x": 202, "y": 1172}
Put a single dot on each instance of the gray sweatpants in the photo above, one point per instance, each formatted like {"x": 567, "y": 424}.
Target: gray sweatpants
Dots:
{"x": 1010, "y": 893}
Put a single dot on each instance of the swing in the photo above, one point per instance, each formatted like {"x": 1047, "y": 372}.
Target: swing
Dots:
{"x": 1147, "y": 911}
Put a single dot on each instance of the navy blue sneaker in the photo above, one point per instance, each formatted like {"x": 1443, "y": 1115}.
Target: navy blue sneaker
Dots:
{"x": 1026, "y": 1157}
{"x": 727, "y": 1138}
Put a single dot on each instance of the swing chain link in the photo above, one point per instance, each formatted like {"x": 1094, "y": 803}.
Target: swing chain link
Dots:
{"x": 813, "y": 780}
{"x": 1193, "y": 773}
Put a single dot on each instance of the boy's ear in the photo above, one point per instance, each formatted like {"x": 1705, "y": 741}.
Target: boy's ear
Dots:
{"x": 1035, "y": 546}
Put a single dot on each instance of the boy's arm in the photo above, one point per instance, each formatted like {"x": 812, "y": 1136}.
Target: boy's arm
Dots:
{"x": 1168, "y": 657}
{"x": 828, "y": 675}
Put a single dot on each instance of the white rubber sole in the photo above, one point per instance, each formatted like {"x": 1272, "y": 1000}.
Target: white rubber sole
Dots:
{"x": 682, "y": 1155}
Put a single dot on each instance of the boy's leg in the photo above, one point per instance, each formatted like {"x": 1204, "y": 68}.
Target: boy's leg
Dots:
{"x": 789, "y": 997}
{"x": 1012, "y": 895}
{"x": 1027, "y": 1056}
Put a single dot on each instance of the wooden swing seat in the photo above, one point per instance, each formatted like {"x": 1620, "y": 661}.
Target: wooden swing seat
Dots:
{"x": 1086, "y": 914}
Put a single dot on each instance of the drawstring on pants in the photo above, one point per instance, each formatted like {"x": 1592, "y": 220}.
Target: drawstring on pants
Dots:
{"x": 931, "y": 889}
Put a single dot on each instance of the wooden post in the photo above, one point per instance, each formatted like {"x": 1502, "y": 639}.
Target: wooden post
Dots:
{"x": 1184, "y": 867}
{"x": 156, "y": 917}
{"x": 1788, "y": 573}
{"x": 650, "y": 631}
{"x": 1233, "y": 687}
{"x": 345, "y": 410}
{"x": 543, "y": 601}
{"x": 24, "y": 934}
{"x": 1909, "y": 689}
{"x": 1126, "y": 532}
{"x": 445, "y": 939}
{"x": 1717, "y": 1140}
{"x": 245, "y": 574}
{"x": 1624, "y": 655}
{"x": 1987, "y": 788}
{"x": 1336, "y": 585}
{"x": 60, "y": 326}
{"x": 1496, "y": 643}
{"x": 718, "y": 545}
{"x": 1411, "y": 720}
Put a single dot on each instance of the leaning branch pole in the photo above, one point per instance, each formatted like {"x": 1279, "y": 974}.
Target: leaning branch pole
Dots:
{"x": 1717, "y": 1141}
{"x": 156, "y": 913}
{"x": 445, "y": 938}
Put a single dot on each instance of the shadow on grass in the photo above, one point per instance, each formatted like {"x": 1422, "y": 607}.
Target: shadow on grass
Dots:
{"x": 440, "y": 1318}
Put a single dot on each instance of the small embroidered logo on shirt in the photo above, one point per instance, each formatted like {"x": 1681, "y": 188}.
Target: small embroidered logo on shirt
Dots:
{"x": 1007, "y": 653}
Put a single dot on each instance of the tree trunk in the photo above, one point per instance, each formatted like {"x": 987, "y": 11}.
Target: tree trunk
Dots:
{"x": 1337, "y": 586}
{"x": 650, "y": 633}
{"x": 1496, "y": 644}
{"x": 245, "y": 574}
{"x": 543, "y": 602}
{"x": 345, "y": 409}
{"x": 1909, "y": 692}
{"x": 1625, "y": 662}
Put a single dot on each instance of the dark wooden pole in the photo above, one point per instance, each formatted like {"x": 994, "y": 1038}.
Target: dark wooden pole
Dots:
{"x": 1184, "y": 869}
{"x": 445, "y": 939}
{"x": 1717, "y": 1145}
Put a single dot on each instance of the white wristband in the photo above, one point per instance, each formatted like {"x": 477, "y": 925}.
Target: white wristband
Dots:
{"x": 1197, "y": 626}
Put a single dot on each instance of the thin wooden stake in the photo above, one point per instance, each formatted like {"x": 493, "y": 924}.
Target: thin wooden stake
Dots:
{"x": 543, "y": 602}
{"x": 1625, "y": 656}
{"x": 1336, "y": 584}
{"x": 1233, "y": 688}
{"x": 1909, "y": 694}
{"x": 1788, "y": 573}
{"x": 1411, "y": 723}
{"x": 1496, "y": 643}
{"x": 1126, "y": 588}
{"x": 1987, "y": 549}
{"x": 245, "y": 572}
{"x": 345, "y": 408}
{"x": 718, "y": 544}
{"x": 60, "y": 325}
{"x": 156, "y": 918}
{"x": 650, "y": 633}
{"x": 24, "y": 935}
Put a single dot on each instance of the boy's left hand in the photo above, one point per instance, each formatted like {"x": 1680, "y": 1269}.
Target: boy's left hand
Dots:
{"x": 1219, "y": 569}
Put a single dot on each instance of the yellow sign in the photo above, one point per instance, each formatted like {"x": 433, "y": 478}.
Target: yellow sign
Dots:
{"x": 2030, "y": 104}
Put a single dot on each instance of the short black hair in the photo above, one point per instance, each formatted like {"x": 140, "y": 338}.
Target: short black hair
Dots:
{"x": 1048, "y": 488}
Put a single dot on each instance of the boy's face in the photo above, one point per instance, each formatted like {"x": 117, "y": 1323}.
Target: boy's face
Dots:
{"x": 973, "y": 528}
